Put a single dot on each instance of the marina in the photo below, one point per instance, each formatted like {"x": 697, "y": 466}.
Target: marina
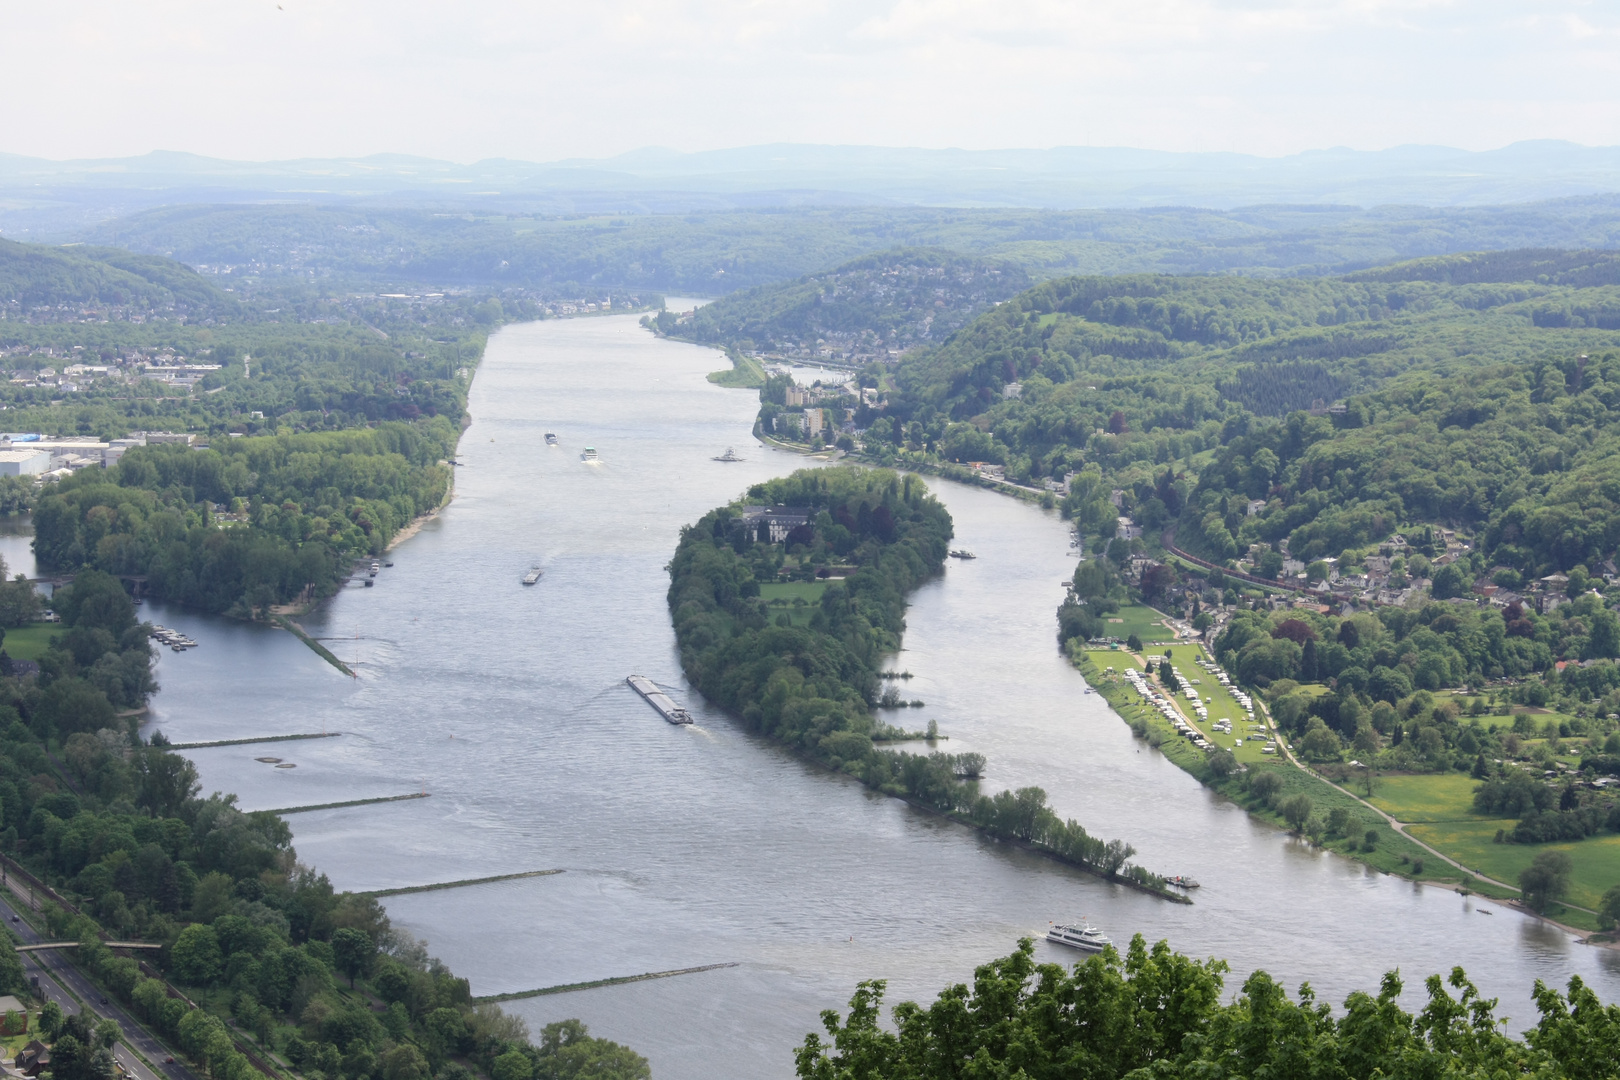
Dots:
{"x": 659, "y": 700}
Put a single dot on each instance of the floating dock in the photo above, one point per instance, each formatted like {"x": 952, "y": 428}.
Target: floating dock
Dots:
{"x": 659, "y": 700}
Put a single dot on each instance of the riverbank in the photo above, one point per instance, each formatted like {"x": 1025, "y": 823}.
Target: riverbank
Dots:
{"x": 1394, "y": 852}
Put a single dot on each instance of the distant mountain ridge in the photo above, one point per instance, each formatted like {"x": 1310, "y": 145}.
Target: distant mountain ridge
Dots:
{"x": 42, "y": 195}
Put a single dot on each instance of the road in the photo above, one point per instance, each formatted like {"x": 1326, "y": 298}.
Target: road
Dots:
{"x": 55, "y": 973}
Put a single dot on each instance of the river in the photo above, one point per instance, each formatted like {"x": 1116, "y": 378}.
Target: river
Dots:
{"x": 705, "y": 845}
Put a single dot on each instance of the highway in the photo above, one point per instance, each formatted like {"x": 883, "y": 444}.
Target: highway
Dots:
{"x": 54, "y": 972}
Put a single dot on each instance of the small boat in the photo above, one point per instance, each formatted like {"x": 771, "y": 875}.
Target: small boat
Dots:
{"x": 729, "y": 455}
{"x": 1181, "y": 882}
{"x": 375, "y": 569}
{"x": 370, "y": 583}
{"x": 532, "y": 576}
{"x": 551, "y": 439}
{"x": 961, "y": 553}
{"x": 589, "y": 454}
{"x": 1086, "y": 938}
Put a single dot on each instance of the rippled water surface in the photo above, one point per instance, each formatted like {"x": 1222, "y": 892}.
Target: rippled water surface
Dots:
{"x": 703, "y": 845}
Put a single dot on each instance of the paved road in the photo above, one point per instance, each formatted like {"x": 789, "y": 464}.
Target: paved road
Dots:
{"x": 55, "y": 972}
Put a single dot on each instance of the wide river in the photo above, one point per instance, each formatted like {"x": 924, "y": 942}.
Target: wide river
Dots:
{"x": 704, "y": 845}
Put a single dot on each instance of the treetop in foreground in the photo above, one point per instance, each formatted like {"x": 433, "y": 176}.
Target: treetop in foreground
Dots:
{"x": 1154, "y": 1014}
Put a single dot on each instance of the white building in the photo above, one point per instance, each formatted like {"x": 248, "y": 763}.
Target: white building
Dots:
{"x": 23, "y": 460}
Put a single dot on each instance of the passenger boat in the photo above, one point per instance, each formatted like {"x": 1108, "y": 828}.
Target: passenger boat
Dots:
{"x": 1086, "y": 938}
{"x": 532, "y": 576}
{"x": 589, "y": 454}
{"x": 551, "y": 439}
{"x": 729, "y": 455}
{"x": 960, "y": 553}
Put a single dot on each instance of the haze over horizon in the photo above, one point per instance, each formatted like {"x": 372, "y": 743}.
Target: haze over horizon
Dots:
{"x": 493, "y": 79}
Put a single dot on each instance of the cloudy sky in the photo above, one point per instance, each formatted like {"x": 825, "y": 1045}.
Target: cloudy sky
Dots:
{"x": 543, "y": 80}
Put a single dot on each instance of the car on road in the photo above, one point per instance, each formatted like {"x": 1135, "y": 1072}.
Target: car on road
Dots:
{"x": 168, "y": 1061}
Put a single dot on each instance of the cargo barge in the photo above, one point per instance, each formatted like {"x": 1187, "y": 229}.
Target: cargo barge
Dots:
{"x": 659, "y": 700}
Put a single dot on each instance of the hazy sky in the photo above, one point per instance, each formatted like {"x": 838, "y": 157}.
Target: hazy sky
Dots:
{"x": 470, "y": 79}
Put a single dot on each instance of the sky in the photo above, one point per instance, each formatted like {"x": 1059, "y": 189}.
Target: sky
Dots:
{"x": 539, "y": 80}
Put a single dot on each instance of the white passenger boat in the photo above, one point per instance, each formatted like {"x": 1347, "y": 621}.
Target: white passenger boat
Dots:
{"x": 589, "y": 454}
{"x": 1086, "y": 938}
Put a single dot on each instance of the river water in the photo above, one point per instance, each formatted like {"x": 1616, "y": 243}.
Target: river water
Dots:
{"x": 704, "y": 845}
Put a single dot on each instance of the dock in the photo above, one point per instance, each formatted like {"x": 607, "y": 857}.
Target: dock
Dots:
{"x": 659, "y": 700}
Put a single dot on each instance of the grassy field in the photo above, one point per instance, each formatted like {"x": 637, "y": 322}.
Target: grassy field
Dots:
{"x": 1439, "y": 809}
{"x": 781, "y": 597}
{"x": 1473, "y": 843}
{"x": 1140, "y": 620}
{"x": 30, "y": 642}
{"x": 1444, "y": 797}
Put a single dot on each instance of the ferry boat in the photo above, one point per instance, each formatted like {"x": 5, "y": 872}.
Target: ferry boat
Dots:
{"x": 1086, "y": 938}
{"x": 589, "y": 454}
{"x": 659, "y": 700}
{"x": 729, "y": 455}
{"x": 532, "y": 576}
{"x": 551, "y": 438}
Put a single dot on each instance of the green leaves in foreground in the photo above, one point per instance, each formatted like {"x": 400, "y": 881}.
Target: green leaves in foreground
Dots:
{"x": 1158, "y": 1014}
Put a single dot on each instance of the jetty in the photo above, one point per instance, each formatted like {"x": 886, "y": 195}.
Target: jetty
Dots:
{"x": 659, "y": 700}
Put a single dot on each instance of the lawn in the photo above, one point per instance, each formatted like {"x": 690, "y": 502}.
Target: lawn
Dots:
{"x": 782, "y": 596}
{"x": 1473, "y": 843}
{"x": 1138, "y": 619}
{"x": 30, "y": 642}
{"x": 1439, "y": 797}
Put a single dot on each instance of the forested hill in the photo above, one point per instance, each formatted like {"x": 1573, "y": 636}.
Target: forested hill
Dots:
{"x": 712, "y": 253}
{"x": 32, "y": 276}
{"x": 893, "y": 300}
{"x": 1459, "y": 404}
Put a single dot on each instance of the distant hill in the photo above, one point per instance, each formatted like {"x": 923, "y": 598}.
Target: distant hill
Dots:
{"x": 891, "y": 301}
{"x": 1544, "y": 265}
{"x": 32, "y": 275}
{"x": 715, "y": 252}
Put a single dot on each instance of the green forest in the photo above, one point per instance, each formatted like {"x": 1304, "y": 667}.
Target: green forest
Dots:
{"x": 715, "y": 252}
{"x": 256, "y": 939}
{"x": 1156, "y": 1013}
{"x": 873, "y": 536}
{"x": 250, "y": 524}
{"x": 892, "y": 300}
{"x": 1350, "y": 407}
{"x": 329, "y": 421}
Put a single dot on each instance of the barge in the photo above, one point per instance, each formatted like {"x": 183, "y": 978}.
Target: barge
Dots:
{"x": 659, "y": 700}
{"x": 532, "y": 576}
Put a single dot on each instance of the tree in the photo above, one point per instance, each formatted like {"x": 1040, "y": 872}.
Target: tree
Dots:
{"x": 195, "y": 958}
{"x": 1338, "y": 821}
{"x": 567, "y": 1051}
{"x": 1133, "y": 643}
{"x": 1546, "y": 879}
{"x": 1609, "y": 908}
{"x": 1265, "y": 786}
{"x": 355, "y": 952}
{"x": 512, "y": 1065}
{"x": 50, "y": 1019}
{"x": 1296, "y": 810}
